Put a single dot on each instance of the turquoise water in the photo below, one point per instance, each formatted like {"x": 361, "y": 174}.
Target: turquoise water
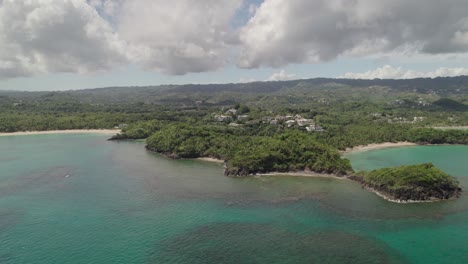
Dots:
{"x": 82, "y": 199}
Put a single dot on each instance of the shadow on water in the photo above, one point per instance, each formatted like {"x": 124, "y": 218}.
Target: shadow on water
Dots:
{"x": 9, "y": 218}
{"x": 258, "y": 243}
{"x": 166, "y": 180}
{"x": 52, "y": 177}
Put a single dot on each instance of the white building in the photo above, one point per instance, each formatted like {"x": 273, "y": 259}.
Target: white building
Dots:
{"x": 222, "y": 118}
{"x": 290, "y": 123}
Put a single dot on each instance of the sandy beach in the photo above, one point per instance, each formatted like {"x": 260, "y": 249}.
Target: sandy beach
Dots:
{"x": 301, "y": 174}
{"x": 73, "y": 131}
{"x": 290, "y": 174}
{"x": 378, "y": 146}
{"x": 211, "y": 160}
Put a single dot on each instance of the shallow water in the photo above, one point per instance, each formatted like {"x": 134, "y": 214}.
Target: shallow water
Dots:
{"x": 82, "y": 199}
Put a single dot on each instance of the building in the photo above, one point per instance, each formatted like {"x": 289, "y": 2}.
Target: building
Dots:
{"x": 242, "y": 117}
{"x": 304, "y": 122}
{"x": 290, "y": 123}
{"x": 314, "y": 128}
{"x": 231, "y": 111}
{"x": 222, "y": 118}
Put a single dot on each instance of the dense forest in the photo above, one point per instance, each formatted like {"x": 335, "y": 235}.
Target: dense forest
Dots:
{"x": 258, "y": 127}
{"x": 415, "y": 182}
{"x": 267, "y": 148}
{"x": 337, "y": 104}
{"x": 248, "y": 154}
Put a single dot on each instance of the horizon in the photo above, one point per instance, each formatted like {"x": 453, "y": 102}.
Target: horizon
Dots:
{"x": 72, "y": 44}
{"x": 238, "y": 83}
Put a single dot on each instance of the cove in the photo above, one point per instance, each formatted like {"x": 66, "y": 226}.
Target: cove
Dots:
{"x": 82, "y": 199}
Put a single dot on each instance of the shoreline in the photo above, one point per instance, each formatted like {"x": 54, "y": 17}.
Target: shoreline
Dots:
{"x": 390, "y": 199}
{"x": 301, "y": 174}
{"x": 377, "y": 146}
{"x": 207, "y": 159}
{"x": 307, "y": 174}
{"x": 288, "y": 174}
{"x": 71, "y": 131}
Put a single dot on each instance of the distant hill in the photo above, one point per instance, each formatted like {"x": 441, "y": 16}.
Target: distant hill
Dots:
{"x": 451, "y": 105}
{"x": 282, "y": 92}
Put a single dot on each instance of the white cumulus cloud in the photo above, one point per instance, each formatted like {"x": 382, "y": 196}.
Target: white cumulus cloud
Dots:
{"x": 85, "y": 36}
{"x": 297, "y": 31}
{"x": 177, "y": 37}
{"x": 41, "y": 36}
{"x": 281, "y": 76}
{"x": 390, "y": 72}
{"x": 185, "y": 36}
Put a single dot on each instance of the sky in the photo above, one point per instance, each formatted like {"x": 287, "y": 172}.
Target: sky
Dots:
{"x": 79, "y": 44}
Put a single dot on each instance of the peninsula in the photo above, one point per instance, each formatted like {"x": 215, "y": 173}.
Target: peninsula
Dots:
{"x": 299, "y": 127}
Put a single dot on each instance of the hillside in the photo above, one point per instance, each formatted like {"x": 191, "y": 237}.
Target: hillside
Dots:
{"x": 336, "y": 104}
{"x": 224, "y": 94}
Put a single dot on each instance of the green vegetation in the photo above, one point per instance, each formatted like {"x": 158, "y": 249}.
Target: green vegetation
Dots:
{"x": 139, "y": 130}
{"x": 415, "y": 182}
{"x": 257, "y": 127}
{"x": 242, "y": 109}
{"x": 246, "y": 155}
{"x": 449, "y": 104}
{"x": 348, "y": 136}
{"x": 337, "y": 104}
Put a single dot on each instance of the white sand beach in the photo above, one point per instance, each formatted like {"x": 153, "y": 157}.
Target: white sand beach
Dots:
{"x": 302, "y": 174}
{"x": 72, "y": 131}
{"x": 378, "y": 146}
{"x": 211, "y": 160}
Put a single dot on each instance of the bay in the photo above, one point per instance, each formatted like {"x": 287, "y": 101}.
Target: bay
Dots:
{"x": 82, "y": 199}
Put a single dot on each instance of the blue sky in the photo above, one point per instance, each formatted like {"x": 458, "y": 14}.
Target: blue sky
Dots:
{"x": 78, "y": 44}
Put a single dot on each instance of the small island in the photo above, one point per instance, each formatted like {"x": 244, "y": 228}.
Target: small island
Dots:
{"x": 423, "y": 182}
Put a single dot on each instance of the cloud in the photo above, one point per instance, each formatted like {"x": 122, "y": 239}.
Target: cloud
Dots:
{"x": 185, "y": 36}
{"x": 390, "y": 72}
{"x": 297, "y": 31}
{"x": 177, "y": 37}
{"x": 108, "y": 7}
{"x": 86, "y": 36}
{"x": 41, "y": 36}
{"x": 281, "y": 76}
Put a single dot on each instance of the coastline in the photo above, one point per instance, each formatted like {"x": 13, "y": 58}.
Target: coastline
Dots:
{"x": 377, "y": 146}
{"x": 301, "y": 174}
{"x": 310, "y": 174}
{"x": 207, "y": 159}
{"x": 71, "y": 131}
{"x": 289, "y": 174}
{"x": 390, "y": 199}
{"x": 322, "y": 175}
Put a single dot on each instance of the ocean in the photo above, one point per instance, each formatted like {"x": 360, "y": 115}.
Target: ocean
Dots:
{"x": 82, "y": 199}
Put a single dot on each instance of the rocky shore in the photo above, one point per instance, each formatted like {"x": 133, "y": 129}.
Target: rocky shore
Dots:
{"x": 405, "y": 184}
{"x": 409, "y": 195}
{"x": 414, "y": 183}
